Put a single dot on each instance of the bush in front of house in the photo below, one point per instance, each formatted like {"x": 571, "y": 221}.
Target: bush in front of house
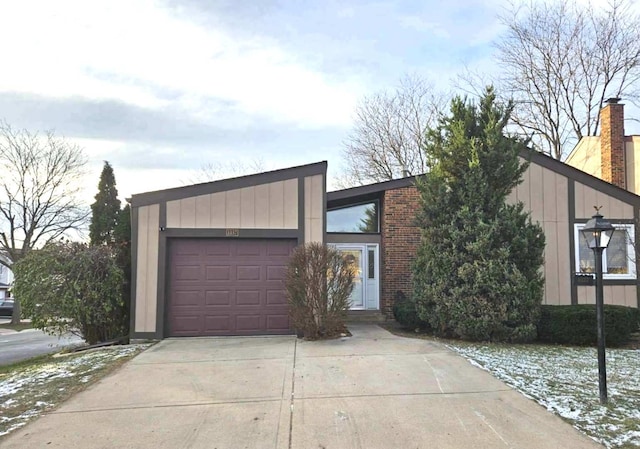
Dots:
{"x": 576, "y": 324}
{"x": 477, "y": 270}
{"x": 319, "y": 282}
{"x": 405, "y": 313}
{"x": 72, "y": 287}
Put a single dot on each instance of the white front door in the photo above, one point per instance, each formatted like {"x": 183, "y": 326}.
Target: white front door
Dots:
{"x": 365, "y": 261}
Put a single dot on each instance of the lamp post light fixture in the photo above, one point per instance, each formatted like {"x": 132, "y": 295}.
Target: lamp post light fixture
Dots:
{"x": 597, "y": 233}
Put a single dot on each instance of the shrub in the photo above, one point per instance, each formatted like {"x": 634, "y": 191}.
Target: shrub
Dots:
{"x": 319, "y": 282}
{"x": 576, "y": 324}
{"x": 72, "y": 287}
{"x": 405, "y": 313}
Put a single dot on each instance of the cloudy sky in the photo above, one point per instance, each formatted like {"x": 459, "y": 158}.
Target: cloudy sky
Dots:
{"x": 160, "y": 88}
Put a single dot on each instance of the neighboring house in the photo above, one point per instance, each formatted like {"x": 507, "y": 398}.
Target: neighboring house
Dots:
{"x": 209, "y": 259}
{"x": 611, "y": 156}
{"x": 6, "y": 280}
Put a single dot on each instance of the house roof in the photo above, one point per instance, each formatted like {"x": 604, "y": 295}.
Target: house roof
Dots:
{"x": 143, "y": 199}
{"x": 341, "y": 197}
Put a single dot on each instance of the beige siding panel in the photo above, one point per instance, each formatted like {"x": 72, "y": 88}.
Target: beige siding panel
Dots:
{"x": 247, "y": 208}
{"x": 173, "y": 214}
{"x": 579, "y": 193}
{"x": 188, "y": 213}
{"x": 291, "y": 204}
{"x": 587, "y": 198}
{"x": 317, "y": 196}
{"x": 536, "y": 192}
{"x": 232, "y": 207}
{"x": 586, "y": 295}
{"x": 147, "y": 268}
{"x": 316, "y": 234}
{"x": 630, "y": 298}
{"x": 262, "y": 206}
{"x": 218, "y": 210}
{"x": 203, "y": 211}
{"x": 313, "y": 208}
{"x": 562, "y": 199}
{"x": 276, "y": 204}
{"x": 512, "y": 198}
{"x": 615, "y": 294}
{"x": 549, "y": 195}
{"x": 523, "y": 189}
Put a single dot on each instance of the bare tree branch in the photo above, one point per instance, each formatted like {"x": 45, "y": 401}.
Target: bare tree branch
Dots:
{"x": 386, "y": 141}
{"x": 560, "y": 61}
{"x": 213, "y": 171}
{"x": 38, "y": 191}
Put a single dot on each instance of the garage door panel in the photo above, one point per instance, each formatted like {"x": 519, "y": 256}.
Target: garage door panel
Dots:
{"x": 248, "y": 248}
{"x": 218, "y": 273}
{"x": 276, "y": 298}
{"x": 276, "y": 273}
{"x": 218, "y": 298}
{"x": 249, "y": 273}
{"x": 249, "y": 323}
{"x": 275, "y": 249}
{"x": 238, "y": 289}
{"x": 218, "y": 323}
{"x": 189, "y": 324}
{"x": 219, "y": 248}
{"x": 248, "y": 297}
{"x": 187, "y": 298}
{"x": 187, "y": 273}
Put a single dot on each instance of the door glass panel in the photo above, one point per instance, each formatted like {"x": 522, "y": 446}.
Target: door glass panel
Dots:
{"x": 371, "y": 262}
{"x": 354, "y": 257}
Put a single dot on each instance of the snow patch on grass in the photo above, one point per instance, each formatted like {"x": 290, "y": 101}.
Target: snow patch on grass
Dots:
{"x": 31, "y": 390}
{"x": 565, "y": 381}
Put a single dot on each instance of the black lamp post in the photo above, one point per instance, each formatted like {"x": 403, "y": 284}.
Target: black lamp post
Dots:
{"x": 598, "y": 232}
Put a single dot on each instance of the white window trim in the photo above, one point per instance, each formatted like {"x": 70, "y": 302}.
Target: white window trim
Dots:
{"x": 630, "y": 231}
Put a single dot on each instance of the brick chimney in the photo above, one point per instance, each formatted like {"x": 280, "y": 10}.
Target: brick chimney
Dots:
{"x": 612, "y": 149}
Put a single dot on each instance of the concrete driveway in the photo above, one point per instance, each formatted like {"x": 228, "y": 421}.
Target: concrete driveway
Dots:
{"x": 373, "y": 390}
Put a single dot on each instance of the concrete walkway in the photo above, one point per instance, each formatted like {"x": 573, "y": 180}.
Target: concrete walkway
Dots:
{"x": 373, "y": 390}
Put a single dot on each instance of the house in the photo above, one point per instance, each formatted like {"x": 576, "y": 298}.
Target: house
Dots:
{"x": 209, "y": 259}
{"x": 611, "y": 156}
{"x": 6, "y": 279}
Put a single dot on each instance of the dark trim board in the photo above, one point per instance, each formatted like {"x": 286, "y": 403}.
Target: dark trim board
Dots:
{"x": 145, "y": 199}
{"x": 636, "y": 216}
{"x": 337, "y": 237}
{"x": 134, "y": 269}
{"x": 571, "y": 189}
{"x": 301, "y": 210}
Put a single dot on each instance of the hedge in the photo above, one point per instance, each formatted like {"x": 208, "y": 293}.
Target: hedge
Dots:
{"x": 404, "y": 312}
{"x": 576, "y": 324}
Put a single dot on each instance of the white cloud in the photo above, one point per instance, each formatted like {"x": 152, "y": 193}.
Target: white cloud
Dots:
{"x": 61, "y": 48}
{"x": 421, "y": 25}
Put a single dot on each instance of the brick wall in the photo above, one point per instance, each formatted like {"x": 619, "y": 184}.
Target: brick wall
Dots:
{"x": 400, "y": 239}
{"x": 612, "y": 143}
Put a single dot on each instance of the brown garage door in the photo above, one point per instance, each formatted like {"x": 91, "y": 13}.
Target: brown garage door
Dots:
{"x": 228, "y": 286}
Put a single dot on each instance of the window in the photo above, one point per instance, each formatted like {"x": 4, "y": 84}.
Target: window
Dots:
{"x": 619, "y": 259}
{"x": 362, "y": 218}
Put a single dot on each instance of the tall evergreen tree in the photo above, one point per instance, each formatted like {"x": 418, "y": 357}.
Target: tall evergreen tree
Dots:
{"x": 122, "y": 236}
{"x": 105, "y": 210}
{"x": 477, "y": 271}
